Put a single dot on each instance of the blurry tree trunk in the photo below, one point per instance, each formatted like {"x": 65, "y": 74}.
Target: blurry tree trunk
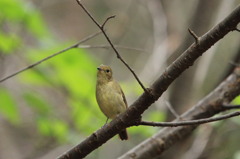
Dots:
{"x": 201, "y": 19}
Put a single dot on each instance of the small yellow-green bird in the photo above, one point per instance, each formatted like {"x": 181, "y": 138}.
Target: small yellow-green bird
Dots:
{"x": 110, "y": 96}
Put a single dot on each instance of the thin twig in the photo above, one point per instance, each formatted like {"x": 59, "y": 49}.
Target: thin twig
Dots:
{"x": 237, "y": 29}
{"x": 113, "y": 16}
{"x": 172, "y": 110}
{"x": 234, "y": 63}
{"x": 49, "y": 57}
{"x": 187, "y": 123}
{"x": 108, "y": 47}
{"x": 194, "y": 36}
{"x": 229, "y": 106}
{"x": 101, "y": 27}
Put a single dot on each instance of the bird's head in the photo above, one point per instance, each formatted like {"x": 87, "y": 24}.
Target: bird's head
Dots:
{"x": 104, "y": 73}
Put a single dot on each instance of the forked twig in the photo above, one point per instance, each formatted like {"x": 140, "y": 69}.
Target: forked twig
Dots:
{"x": 237, "y": 29}
{"x": 194, "y": 36}
{"x": 113, "y": 16}
{"x": 101, "y": 27}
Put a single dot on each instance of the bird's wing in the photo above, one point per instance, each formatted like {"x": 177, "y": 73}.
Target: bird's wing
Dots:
{"x": 120, "y": 92}
{"x": 124, "y": 98}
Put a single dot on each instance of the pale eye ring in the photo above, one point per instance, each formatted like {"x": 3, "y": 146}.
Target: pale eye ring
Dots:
{"x": 107, "y": 70}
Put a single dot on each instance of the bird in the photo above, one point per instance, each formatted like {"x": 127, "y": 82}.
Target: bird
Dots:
{"x": 110, "y": 97}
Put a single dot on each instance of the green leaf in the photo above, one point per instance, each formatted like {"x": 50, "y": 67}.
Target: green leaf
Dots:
{"x": 53, "y": 128}
{"x": 44, "y": 126}
{"x": 35, "y": 77}
{"x": 236, "y": 100}
{"x": 37, "y": 103}
{"x": 60, "y": 130}
{"x": 8, "y": 43}
{"x": 156, "y": 116}
{"x": 18, "y": 14}
{"x": 8, "y": 107}
{"x": 143, "y": 131}
{"x": 12, "y": 10}
{"x": 35, "y": 24}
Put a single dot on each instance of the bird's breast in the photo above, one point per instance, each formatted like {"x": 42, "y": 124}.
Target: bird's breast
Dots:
{"x": 109, "y": 100}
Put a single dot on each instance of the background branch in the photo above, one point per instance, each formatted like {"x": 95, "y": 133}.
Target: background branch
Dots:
{"x": 51, "y": 56}
{"x": 230, "y": 87}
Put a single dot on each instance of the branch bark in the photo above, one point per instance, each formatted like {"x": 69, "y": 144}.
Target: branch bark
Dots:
{"x": 159, "y": 87}
{"x": 209, "y": 106}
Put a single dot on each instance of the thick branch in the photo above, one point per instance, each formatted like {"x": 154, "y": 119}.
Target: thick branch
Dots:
{"x": 230, "y": 89}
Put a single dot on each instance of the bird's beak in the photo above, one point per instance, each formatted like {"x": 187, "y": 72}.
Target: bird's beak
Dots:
{"x": 99, "y": 69}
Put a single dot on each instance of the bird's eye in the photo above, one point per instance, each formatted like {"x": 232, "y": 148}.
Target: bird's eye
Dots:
{"x": 107, "y": 70}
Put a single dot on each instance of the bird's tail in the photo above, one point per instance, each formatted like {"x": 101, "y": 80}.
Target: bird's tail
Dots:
{"x": 123, "y": 134}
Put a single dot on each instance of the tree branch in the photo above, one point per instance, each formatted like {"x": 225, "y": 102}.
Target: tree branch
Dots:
{"x": 225, "y": 93}
{"x": 51, "y": 56}
{"x": 186, "y": 123}
{"x": 101, "y": 27}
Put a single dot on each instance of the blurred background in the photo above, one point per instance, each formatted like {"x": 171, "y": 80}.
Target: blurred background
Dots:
{"x": 50, "y": 108}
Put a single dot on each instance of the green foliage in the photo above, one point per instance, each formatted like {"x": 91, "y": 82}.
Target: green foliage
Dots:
{"x": 53, "y": 127}
{"x": 35, "y": 24}
{"x": 8, "y": 107}
{"x": 236, "y": 101}
{"x": 155, "y": 116}
{"x": 35, "y": 77}
{"x": 15, "y": 17}
{"x": 73, "y": 72}
{"x": 38, "y": 104}
{"x": 8, "y": 42}
{"x": 46, "y": 123}
{"x": 22, "y": 14}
